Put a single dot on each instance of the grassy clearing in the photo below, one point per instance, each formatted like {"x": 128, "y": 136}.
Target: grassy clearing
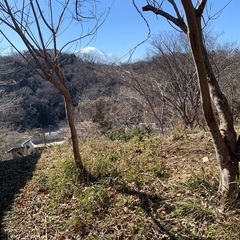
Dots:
{"x": 153, "y": 187}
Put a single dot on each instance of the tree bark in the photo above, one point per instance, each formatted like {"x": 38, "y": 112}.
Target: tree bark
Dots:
{"x": 69, "y": 114}
{"x": 224, "y": 139}
{"x": 74, "y": 137}
{"x": 84, "y": 176}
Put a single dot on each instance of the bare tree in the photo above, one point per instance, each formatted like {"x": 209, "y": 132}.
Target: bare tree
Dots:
{"x": 178, "y": 82}
{"x": 143, "y": 102}
{"x": 225, "y": 59}
{"x": 7, "y": 104}
{"x": 227, "y": 147}
{"x": 40, "y": 25}
{"x": 138, "y": 79}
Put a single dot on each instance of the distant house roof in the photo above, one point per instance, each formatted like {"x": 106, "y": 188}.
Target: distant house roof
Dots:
{"x": 21, "y": 147}
{"x": 14, "y": 149}
{"x": 27, "y": 141}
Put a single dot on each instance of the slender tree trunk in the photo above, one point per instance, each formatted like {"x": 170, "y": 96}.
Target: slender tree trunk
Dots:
{"x": 62, "y": 88}
{"x": 74, "y": 137}
{"x": 84, "y": 175}
{"x": 161, "y": 115}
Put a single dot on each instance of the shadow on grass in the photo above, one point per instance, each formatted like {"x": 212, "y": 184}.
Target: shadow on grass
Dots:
{"x": 14, "y": 174}
{"x": 150, "y": 203}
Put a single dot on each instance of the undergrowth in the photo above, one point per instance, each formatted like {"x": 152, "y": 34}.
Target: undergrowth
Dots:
{"x": 152, "y": 187}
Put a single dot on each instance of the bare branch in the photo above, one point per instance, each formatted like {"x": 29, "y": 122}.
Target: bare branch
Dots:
{"x": 177, "y": 21}
{"x": 175, "y": 8}
{"x": 201, "y": 7}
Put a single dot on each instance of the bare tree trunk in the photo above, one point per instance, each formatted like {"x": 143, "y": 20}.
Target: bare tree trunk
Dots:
{"x": 83, "y": 173}
{"x": 224, "y": 138}
{"x": 74, "y": 137}
{"x": 229, "y": 167}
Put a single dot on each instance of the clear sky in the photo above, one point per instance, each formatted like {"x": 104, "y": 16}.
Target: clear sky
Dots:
{"x": 124, "y": 28}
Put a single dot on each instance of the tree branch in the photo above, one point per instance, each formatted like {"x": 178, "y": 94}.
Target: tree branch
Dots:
{"x": 201, "y": 7}
{"x": 177, "y": 21}
{"x": 175, "y": 8}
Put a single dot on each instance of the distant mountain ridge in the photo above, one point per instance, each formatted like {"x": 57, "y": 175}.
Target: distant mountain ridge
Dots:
{"x": 94, "y": 54}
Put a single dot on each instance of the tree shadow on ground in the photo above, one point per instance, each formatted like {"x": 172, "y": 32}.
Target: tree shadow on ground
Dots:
{"x": 14, "y": 174}
{"x": 150, "y": 203}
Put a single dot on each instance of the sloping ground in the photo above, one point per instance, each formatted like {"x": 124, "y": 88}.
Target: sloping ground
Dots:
{"x": 162, "y": 187}
{"x": 14, "y": 174}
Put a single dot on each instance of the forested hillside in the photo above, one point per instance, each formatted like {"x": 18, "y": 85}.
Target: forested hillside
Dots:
{"x": 34, "y": 102}
{"x": 162, "y": 89}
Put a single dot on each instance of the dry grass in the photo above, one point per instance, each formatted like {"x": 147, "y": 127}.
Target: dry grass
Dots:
{"x": 158, "y": 187}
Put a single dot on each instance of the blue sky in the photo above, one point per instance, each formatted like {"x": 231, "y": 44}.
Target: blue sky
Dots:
{"x": 124, "y": 28}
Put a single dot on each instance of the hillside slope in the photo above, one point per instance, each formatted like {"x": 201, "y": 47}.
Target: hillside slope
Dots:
{"x": 158, "y": 187}
{"x": 35, "y": 103}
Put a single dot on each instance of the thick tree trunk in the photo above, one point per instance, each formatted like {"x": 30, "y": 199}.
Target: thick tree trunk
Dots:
{"x": 224, "y": 138}
{"x": 229, "y": 168}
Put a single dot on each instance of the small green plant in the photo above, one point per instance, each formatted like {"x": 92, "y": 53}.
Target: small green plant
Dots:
{"x": 133, "y": 176}
{"x": 119, "y": 134}
{"x": 198, "y": 218}
{"x": 197, "y": 210}
{"x": 137, "y": 134}
{"x": 178, "y": 136}
{"x": 202, "y": 182}
{"x": 2, "y": 140}
{"x": 159, "y": 170}
{"x": 179, "y": 133}
{"x": 91, "y": 205}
